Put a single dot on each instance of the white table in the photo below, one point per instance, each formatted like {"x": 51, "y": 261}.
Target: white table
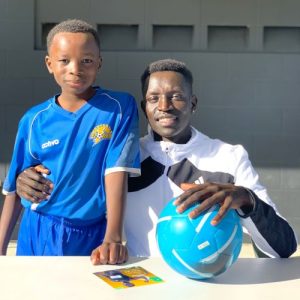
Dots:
{"x": 71, "y": 278}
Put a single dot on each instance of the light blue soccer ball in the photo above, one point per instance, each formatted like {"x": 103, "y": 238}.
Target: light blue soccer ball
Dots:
{"x": 193, "y": 247}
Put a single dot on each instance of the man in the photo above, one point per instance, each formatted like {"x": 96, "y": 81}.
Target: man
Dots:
{"x": 173, "y": 153}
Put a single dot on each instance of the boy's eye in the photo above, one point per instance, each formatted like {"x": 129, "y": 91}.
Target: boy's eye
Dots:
{"x": 64, "y": 61}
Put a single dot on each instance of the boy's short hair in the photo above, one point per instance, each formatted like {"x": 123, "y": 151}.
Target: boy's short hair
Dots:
{"x": 165, "y": 65}
{"x": 73, "y": 26}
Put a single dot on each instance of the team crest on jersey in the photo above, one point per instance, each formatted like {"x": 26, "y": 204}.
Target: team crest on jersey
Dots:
{"x": 99, "y": 133}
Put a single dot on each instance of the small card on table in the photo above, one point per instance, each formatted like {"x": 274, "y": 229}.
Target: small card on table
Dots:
{"x": 128, "y": 277}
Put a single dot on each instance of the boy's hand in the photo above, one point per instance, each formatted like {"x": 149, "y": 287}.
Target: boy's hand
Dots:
{"x": 109, "y": 253}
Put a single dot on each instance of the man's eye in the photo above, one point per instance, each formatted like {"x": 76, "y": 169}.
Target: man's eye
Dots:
{"x": 152, "y": 99}
{"x": 177, "y": 97}
{"x": 87, "y": 60}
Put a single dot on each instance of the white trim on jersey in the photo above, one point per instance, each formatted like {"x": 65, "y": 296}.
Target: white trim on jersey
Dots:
{"x": 131, "y": 171}
{"x": 30, "y": 130}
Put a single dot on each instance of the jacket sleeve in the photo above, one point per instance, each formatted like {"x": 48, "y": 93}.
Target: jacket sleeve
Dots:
{"x": 271, "y": 234}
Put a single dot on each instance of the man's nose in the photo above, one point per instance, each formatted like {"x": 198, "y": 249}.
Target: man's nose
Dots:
{"x": 164, "y": 103}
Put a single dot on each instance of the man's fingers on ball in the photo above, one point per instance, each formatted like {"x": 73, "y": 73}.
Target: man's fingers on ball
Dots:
{"x": 187, "y": 186}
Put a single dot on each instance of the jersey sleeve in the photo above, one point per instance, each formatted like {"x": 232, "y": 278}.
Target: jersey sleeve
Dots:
{"x": 21, "y": 157}
{"x": 124, "y": 153}
{"x": 271, "y": 234}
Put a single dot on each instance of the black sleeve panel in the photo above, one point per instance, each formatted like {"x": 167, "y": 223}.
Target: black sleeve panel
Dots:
{"x": 275, "y": 230}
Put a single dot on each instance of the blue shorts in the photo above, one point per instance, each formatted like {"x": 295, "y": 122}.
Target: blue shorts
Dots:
{"x": 46, "y": 235}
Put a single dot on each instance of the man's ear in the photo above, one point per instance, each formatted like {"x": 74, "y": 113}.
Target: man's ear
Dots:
{"x": 143, "y": 107}
{"x": 48, "y": 64}
{"x": 194, "y": 103}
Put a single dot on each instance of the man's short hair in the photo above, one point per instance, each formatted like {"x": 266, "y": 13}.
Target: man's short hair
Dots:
{"x": 166, "y": 65}
{"x": 73, "y": 26}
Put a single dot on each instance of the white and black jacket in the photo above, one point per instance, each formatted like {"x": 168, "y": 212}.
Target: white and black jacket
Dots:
{"x": 165, "y": 165}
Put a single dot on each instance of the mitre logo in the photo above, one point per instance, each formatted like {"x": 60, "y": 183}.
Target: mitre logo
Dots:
{"x": 50, "y": 144}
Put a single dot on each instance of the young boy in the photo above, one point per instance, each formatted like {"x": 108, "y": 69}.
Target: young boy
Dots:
{"x": 88, "y": 138}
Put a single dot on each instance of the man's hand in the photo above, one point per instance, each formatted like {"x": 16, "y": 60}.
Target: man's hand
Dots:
{"x": 228, "y": 196}
{"x": 33, "y": 186}
{"x": 109, "y": 253}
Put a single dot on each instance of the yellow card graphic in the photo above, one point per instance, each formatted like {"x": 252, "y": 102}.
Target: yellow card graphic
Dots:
{"x": 128, "y": 277}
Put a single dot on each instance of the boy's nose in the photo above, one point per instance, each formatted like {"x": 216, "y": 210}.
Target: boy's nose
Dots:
{"x": 75, "y": 68}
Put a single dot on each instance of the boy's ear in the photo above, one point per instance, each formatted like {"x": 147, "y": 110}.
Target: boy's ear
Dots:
{"x": 48, "y": 64}
{"x": 100, "y": 63}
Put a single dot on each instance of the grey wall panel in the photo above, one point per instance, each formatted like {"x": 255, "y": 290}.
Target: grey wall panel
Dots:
{"x": 244, "y": 54}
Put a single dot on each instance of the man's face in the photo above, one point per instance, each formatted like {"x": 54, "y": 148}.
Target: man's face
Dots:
{"x": 74, "y": 60}
{"x": 169, "y": 106}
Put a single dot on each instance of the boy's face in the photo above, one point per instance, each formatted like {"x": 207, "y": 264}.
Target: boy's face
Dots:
{"x": 74, "y": 60}
{"x": 169, "y": 106}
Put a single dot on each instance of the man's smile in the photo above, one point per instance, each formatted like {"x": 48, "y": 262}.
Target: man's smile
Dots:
{"x": 166, "y": 120}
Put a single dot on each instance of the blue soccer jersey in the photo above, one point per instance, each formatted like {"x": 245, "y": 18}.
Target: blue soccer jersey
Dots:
{"x": 79, "y": 148}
